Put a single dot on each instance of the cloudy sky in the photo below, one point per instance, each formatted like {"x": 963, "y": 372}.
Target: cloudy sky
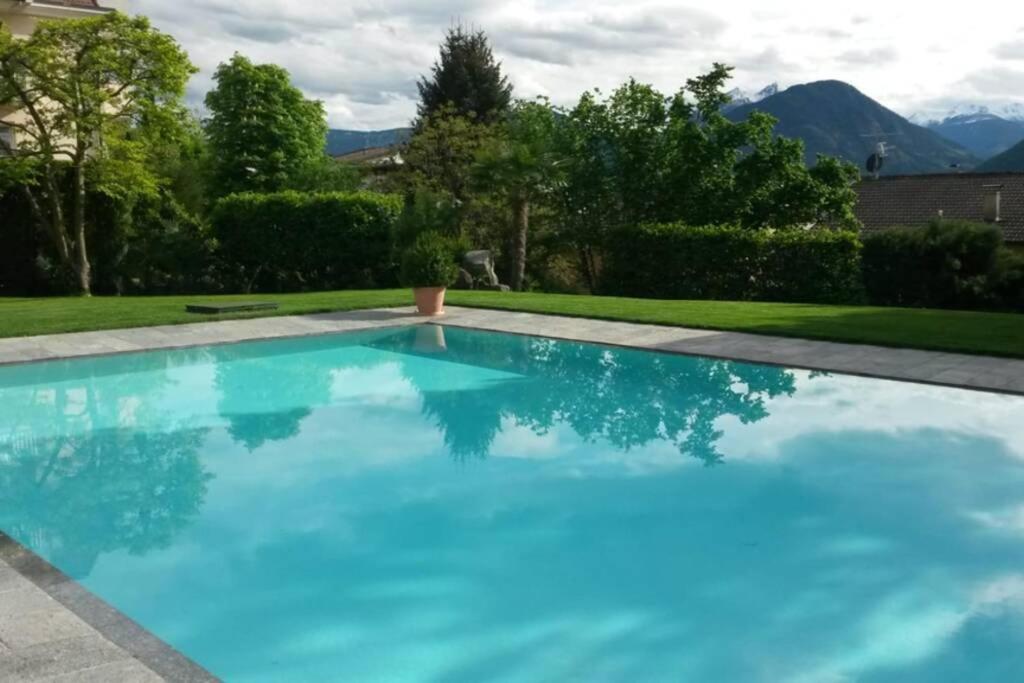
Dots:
{"x": 362, "y": 57}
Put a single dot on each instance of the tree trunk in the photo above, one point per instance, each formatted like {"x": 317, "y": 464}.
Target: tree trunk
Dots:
{"x": 587, "y": 267}
{"x": 81, "y": 262}
{"x": 520, "y": 226}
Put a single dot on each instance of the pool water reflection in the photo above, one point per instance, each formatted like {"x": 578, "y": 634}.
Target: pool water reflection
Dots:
{"x": 421, "y": 504}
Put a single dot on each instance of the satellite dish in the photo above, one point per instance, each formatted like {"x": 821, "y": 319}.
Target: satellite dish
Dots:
{"x": 875, "y": 163}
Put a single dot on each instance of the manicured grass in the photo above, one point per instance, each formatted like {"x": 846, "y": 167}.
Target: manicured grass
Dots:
{"x": 1000, "y": 334}
{"x": 21, "y": 317}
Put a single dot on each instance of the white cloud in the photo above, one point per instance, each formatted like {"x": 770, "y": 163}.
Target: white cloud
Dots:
{"x": 363, "y": 57}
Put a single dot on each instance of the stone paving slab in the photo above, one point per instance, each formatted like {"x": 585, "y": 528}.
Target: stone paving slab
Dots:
{"x": 52, "y": 629}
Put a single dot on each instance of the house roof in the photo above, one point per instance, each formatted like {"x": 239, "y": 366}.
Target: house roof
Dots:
{"x": 373, "y": 156}
{"x": 55, "y": 8}
{"x": 78, "y": 4}
{"x": 912, "y": 200}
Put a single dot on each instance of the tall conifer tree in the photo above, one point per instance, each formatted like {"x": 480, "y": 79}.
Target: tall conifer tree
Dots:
{"x": 467, "y": 78}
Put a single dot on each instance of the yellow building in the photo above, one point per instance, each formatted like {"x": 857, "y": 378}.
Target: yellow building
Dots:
{"x": 20, "y": 17}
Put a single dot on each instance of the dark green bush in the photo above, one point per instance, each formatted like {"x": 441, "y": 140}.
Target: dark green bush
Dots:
{"x": 429, "y": 262}
{"x": 674, "y": 261}
{"x": 946, "y": 264}
{"x": 301, "y": 241}
{"x": 1008, "y": 279}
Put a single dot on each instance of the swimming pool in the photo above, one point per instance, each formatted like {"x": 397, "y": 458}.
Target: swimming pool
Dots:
{"x": 437, "y": 504}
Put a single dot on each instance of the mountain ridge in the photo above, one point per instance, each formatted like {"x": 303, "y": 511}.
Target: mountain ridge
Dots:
{"x": 342, "y": 141}
{"x": 983, "y": 134}
{"x": 834, "y": 118}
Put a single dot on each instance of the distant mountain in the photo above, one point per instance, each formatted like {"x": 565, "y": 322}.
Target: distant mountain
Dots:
{"x": 738, "y": 97}
{"x": 833, "y": 117}
{"x": 344, "y": 141}
{"x": 1010, "y": 111}
{"x": 983, "y": 134}
{"x": 1010, "y": 160}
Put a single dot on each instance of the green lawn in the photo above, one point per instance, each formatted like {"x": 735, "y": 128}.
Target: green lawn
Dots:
{"x": 986, "y": 333}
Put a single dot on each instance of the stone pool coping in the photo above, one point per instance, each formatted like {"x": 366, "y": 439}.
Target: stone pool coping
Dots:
{"x": 986, "y": 373}
{"x": 53, "y": 629}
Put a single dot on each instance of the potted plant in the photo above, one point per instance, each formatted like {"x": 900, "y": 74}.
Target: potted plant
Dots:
{"x": 428, "y": 267}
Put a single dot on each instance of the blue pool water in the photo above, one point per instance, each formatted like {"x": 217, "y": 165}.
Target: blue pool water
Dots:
{"x": 428, "y": 504}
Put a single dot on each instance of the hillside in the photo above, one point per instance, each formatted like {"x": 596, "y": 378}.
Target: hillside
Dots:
{"x": 1010, "y": 160}
{"x": 833, "y": 117}
{"x": 984, "y": 135}
{"x": 345, "y": 141}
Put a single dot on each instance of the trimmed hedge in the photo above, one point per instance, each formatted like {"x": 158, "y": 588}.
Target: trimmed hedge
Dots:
{"x": 291, "y": 241}
{"x": 946, "y": 264}
{"x": 674, "y": 261}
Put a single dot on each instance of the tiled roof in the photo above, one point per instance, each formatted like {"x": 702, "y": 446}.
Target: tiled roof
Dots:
{"x": 372, "y": 156}
{"x": 78, "y": 4}
{"x": 916, "y": 199}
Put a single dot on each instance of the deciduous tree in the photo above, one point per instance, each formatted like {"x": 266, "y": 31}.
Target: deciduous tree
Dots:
{"x": 89, "y": 96}
{"x": 264, "y": 134}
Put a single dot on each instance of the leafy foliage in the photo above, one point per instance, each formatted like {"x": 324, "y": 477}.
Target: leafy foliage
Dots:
{"x": 429, "y": 263}
{"x": 263, "y": 132}
{"x": 638, "y": 156}
{"x": 92, "y": 95}
{"x": 947, "y": 264}
{"x": 440, "y": 160}
{"x": 291, "y": 241}
{"x": 465, "y": 79}
{"x": 675, "y": 261}
{"x": 520, "y": 166}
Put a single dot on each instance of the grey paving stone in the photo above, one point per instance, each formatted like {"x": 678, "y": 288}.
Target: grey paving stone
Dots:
{"x": 26, "y": 599}
{"x": 33, "y": 628}
{"x": 58, "y": 658}
{"x": 11, "y": 580}
{"x": 126, "y": 671}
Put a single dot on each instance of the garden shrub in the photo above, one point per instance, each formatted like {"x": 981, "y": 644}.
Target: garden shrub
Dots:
{"x": 429, "y": 262}
{"x": 1008, "y": 279}
{"x": 946, "y": 264}
{"x": 307, "y": 241}
{"x": 674, "y": 261}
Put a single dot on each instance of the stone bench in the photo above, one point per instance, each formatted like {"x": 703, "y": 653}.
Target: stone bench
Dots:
{"x": 236, "y": 307}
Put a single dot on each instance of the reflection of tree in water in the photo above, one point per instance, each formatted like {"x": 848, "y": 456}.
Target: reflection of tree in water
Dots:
{"x": 630, "y": 398}
{"x": 80, "y": 475}
{"x": 266, "y": 396}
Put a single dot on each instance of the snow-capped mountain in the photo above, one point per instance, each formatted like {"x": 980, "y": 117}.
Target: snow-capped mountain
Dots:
{"x": 739, "y": 97}
{"x": 1009, "y": 111}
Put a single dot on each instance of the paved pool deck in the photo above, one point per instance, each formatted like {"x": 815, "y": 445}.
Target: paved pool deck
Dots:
{"x": 949, "y": 369}
{"x": 52, "y": 629}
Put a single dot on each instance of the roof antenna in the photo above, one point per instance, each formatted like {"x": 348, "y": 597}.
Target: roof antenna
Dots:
{"x": 877, "y": 160}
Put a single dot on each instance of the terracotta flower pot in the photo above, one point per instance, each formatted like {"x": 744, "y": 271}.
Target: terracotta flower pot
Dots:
{"x": 429, "y": 300}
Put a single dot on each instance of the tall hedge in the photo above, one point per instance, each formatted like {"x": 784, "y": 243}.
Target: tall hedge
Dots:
{"x": 674, "y": 261}
{"x": 947, "y": 264}
{"x": 306, "y": 241}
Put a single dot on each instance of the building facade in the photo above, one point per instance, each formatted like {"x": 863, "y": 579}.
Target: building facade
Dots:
{"x": 21, "y": 17}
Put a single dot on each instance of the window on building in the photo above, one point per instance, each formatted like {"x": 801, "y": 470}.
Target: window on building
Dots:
{"x": 6, "y": 139}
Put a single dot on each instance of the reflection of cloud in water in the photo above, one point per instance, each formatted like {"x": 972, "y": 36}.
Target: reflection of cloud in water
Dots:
{"x": 851, "y": 530}
{"x": 914, "y": 625}
{"x": 842, "y": 402}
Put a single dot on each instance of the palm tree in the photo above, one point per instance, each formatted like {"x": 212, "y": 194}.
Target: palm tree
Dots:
{"x": 519, "y": 165}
